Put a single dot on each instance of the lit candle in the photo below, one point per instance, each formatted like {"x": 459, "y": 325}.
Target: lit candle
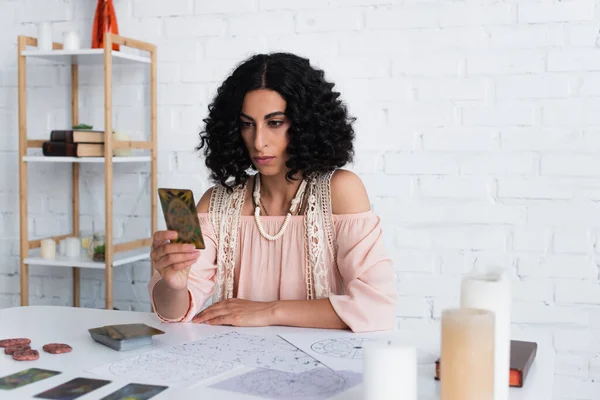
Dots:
{"x": 390, "y": 371}
{"x": 489, "y": 290}
{"x": 467, "y": 359}
{"x": 48, "y": 249}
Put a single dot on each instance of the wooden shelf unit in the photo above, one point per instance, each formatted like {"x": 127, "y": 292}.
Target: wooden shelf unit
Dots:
{"x": 115, "y": 254}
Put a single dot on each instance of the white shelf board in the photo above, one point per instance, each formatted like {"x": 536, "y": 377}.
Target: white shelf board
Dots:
{"x": 46, "y": 159}
{"x": 121, "y": 258}
{"x": 85, "y": 56}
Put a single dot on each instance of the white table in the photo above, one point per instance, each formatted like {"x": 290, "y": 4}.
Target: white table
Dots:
{"x": 45, "y": 324}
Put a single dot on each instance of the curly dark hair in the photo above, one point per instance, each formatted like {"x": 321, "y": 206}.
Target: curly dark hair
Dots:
{"x": 320, "y": 134}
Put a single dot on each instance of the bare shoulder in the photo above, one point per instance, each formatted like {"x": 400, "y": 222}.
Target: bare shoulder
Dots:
{"x": 204, "y": 201}
{"x": 348, "y": 193}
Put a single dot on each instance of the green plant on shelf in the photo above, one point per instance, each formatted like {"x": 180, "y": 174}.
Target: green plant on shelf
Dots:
{"x": 99, "y": 253}
{"x": 83, "y": 126}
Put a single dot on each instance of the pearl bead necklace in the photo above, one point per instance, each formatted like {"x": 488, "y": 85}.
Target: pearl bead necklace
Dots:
{"x": 295, "y": 203}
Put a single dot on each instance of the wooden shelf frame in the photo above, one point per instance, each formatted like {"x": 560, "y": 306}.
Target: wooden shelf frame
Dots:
{"x": 27, "y": 245}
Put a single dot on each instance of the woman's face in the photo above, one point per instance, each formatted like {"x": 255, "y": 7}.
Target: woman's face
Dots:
{"x": 264, "y": 127}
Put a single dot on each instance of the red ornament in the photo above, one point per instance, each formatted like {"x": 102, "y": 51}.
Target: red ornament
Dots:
{"x": 105, "y": 20}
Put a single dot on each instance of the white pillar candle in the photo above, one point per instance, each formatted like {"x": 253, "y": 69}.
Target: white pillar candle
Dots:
{"x": 73, "y": 247}
{"x": 48, "y": 249}
{"x": 490, "y": 290}
{"x": 44, "y": 39}
{"x": 62, "y": 247}
{"x": 390, "y": 371}
{"x": 71, "y": 41}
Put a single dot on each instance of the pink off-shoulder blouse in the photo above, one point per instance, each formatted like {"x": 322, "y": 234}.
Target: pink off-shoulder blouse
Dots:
{"x": 363, "y": 285}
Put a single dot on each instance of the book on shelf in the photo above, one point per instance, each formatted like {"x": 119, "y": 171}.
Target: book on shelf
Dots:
{"x": 77, "y": 136}
{"x": 74, "y": 143}
{"x": 66, "y": 149}
{"x": 522, "y": 355}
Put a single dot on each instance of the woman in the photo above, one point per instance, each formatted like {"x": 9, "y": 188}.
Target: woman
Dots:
{"x": 295, "y": 243}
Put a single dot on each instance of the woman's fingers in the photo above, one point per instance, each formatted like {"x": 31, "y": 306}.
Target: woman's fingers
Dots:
{"x": 183, "y": 265}
{"x": 172, "y": 259}
{"x": 228, "y": 319}
{"x": 161, "y": 237}
{"x": 172, "y": 248}
{"x": 211, "y": 312}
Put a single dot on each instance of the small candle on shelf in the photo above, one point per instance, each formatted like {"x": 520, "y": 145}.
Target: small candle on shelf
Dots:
{"x": 70, "y": 41}
{"x": 48, "y": 249}
{"x": 73, "y": 247}
{"x": 62, "y": 247}
{"x": 467, "y": 359}
{"x": 390, "y": 371}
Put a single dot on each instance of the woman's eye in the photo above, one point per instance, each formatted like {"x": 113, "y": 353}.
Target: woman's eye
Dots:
{"x": 275, "y": 123}
{"x": 246, "y": 124}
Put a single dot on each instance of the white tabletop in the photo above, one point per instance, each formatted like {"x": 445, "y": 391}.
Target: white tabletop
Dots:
{"x": 45, "y": 324}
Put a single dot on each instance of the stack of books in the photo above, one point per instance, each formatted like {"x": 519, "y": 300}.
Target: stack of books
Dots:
{"x": 74, "y": 143}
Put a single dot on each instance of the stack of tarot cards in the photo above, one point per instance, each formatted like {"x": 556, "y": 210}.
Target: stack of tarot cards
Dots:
{"x": 126, "y": 336}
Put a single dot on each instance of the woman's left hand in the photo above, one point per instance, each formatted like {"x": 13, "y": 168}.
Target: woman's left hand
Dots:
{"x": 237, "y": 312}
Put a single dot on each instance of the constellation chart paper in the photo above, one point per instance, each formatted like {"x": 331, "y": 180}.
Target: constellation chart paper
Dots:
{"x": 316, "y": 384}
{"x": 342, "y": 350}
{"x": 165, "y": 367}
{"x": 250, "y": 350}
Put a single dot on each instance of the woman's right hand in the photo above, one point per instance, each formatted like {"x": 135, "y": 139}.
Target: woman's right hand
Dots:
{"x": 173, "y": 261}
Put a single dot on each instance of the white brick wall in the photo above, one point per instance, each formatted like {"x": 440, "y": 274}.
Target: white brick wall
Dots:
{"x": 477, "y": 132}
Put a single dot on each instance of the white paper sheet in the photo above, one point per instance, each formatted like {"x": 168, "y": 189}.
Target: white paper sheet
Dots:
{"x": 316, "y": 384}
{"x": 344, "y": 350}
{"x": 165, "y": 367}
{"x": 250, "y": 350}
{"x": 191, "y": 363}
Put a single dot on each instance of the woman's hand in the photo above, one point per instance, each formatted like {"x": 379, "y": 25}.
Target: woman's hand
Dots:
{"x": 172, "y": 260}
{"x": 237, "y": 312}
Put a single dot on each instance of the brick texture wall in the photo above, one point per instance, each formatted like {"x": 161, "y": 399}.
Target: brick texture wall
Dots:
{"x": 478, "y": 139}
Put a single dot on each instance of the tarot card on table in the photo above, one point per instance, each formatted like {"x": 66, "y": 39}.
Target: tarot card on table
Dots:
{"x": 135, "y": 391}
{"x": 72, "y": 389}
{"x": 25, "y": 377}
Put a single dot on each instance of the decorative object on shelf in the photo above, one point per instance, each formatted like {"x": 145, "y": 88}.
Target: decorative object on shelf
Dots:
{"x": 48, "y": 249}
{"x": 71, "y": 41}
{"x": 73, "y": 247}
{"x": 44, "y": 39}
{"x": 105, "y": 20}
{"x": 62, "y": 247}
{"x": 86, "y": 238}
{"x": 97, "y": 247}
{"x": 467, "y": 360}
{"x": 83, "y": 126}
{"x": 120, "y": 135}
{"x": 489, "y": 289}
{"x": 390, "y": 371}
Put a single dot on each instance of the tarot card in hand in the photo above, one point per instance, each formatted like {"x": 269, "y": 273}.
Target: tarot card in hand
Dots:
{"x": 135, "y": 391}
{"x": 25, "y": 377}
{"x": 181, "y": 216}
{"x": 72, "y": 389}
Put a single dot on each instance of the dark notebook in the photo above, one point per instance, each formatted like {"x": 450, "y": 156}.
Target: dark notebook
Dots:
{"x": 522, "y": 355}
